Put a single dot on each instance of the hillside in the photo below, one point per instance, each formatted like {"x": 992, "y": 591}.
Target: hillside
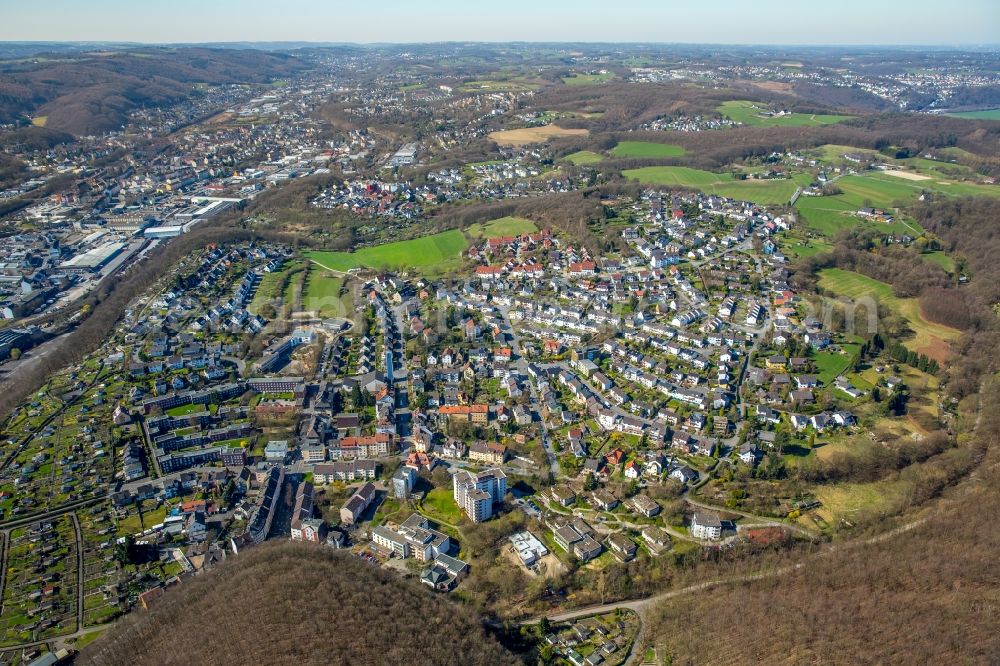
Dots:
{"x": 91, "y": 93}
{"x": 926, "y": 594}
{"x": 929, "y": 594}
{"x": 298, "y": 604}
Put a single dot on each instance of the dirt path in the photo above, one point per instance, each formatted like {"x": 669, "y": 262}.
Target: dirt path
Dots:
{"x": 79, "y": 571}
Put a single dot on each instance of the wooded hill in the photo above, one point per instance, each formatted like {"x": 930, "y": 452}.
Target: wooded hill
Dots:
{"x": 92, "y": 93}
{"x": 284, "y": 603}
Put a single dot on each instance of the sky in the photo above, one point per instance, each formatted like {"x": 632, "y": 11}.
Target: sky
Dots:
{"x": 870, "y": 22}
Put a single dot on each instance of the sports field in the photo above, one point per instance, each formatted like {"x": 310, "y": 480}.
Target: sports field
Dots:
{"x": 527, "y": 135}
{"x": 646, "y": 149}
{"x": 504, "y": 226}
{"x": 929, "y": 338}
{"x": 748, "y": 113}
{"x": 583, "y": 157}
{"x": 765, "y": 192}
{"x": 428, "y": 254}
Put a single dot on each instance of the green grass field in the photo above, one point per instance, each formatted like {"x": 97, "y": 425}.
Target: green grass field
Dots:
{"x": 270, "y": 287}
{"x": 578, "y": 79}
{"x": 583, "y": 157}
{"x": 439, "y": 504}
{"x": 429, "y": 254}
{"x": 832, "y": 153}
{"x": 323, "y": 294}
{"x": 829, "y": 215}
{"x": 987, "y": 114}
{"x": 806, "y": 248}
{"x": 765, "y": 192}
{"x": 748, "y": 113}
{"x": 829, "y": 365}
{"x": 940, "y": 259}
{"x": 646, "y": 149}
{"x": 850, "y": 501}
{"x": 504, "y": 226}
{"x": 912, "y": 188}
{"x": 928, "y": 338}
{"x": 490, "y": 85}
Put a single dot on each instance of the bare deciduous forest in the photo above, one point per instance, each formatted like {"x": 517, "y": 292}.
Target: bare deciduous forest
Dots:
{"x": 298, "y": 604}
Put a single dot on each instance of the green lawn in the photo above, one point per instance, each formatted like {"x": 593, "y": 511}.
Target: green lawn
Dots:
{"x": 764, "y": 192}
{"x": 504, "y": 226}
{"x": 987, "y": 114}
{"x": 184, "y": 410}
{"x": 269, "y": 288}
{"x": 748, "y": 113}
{"x": 646, "y": 149}
{"x": 583, "y": 157}
{"x": 806, "y": 248}
{"x": 439, "y": 504}
{"x": 430, "y": 254}
{"x": 323, "y": 294}
{"x": 941, "y": 259}
{"x": 829, "y": 365}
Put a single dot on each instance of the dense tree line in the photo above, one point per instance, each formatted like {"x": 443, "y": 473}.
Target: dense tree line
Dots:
{"x": 282, "y": 603}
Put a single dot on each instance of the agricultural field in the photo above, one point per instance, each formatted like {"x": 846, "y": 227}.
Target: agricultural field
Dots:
{"x": 646, "y": 149}
{"x": 504, "y": 226}
{"x": 583, "y": 157}
{"x": 429, "y": 254}
{"x": 578, "y": 79}
{"x": 929, "y": 338}
{"x": 833, "y": 154}
{"x": 528, "y": 135}
{"x": 491, "y": 85}
{"x": 749, "y": 113}
{"x": 987, "y": 114}
{"x": 765, "y": 192}
{"x": 829, "y": 215}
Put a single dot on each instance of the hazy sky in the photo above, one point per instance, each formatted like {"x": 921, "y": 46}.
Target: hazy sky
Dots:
{"x": 701, "y": 21}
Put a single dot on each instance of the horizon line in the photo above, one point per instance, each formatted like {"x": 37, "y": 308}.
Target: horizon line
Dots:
{"x": 995, "y": 45}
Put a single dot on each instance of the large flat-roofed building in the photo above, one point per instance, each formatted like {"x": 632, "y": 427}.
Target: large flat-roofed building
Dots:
{"x": 93, "y": 259}
{"x": 529, "y": 549}
{"x": 404, "y": 156}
